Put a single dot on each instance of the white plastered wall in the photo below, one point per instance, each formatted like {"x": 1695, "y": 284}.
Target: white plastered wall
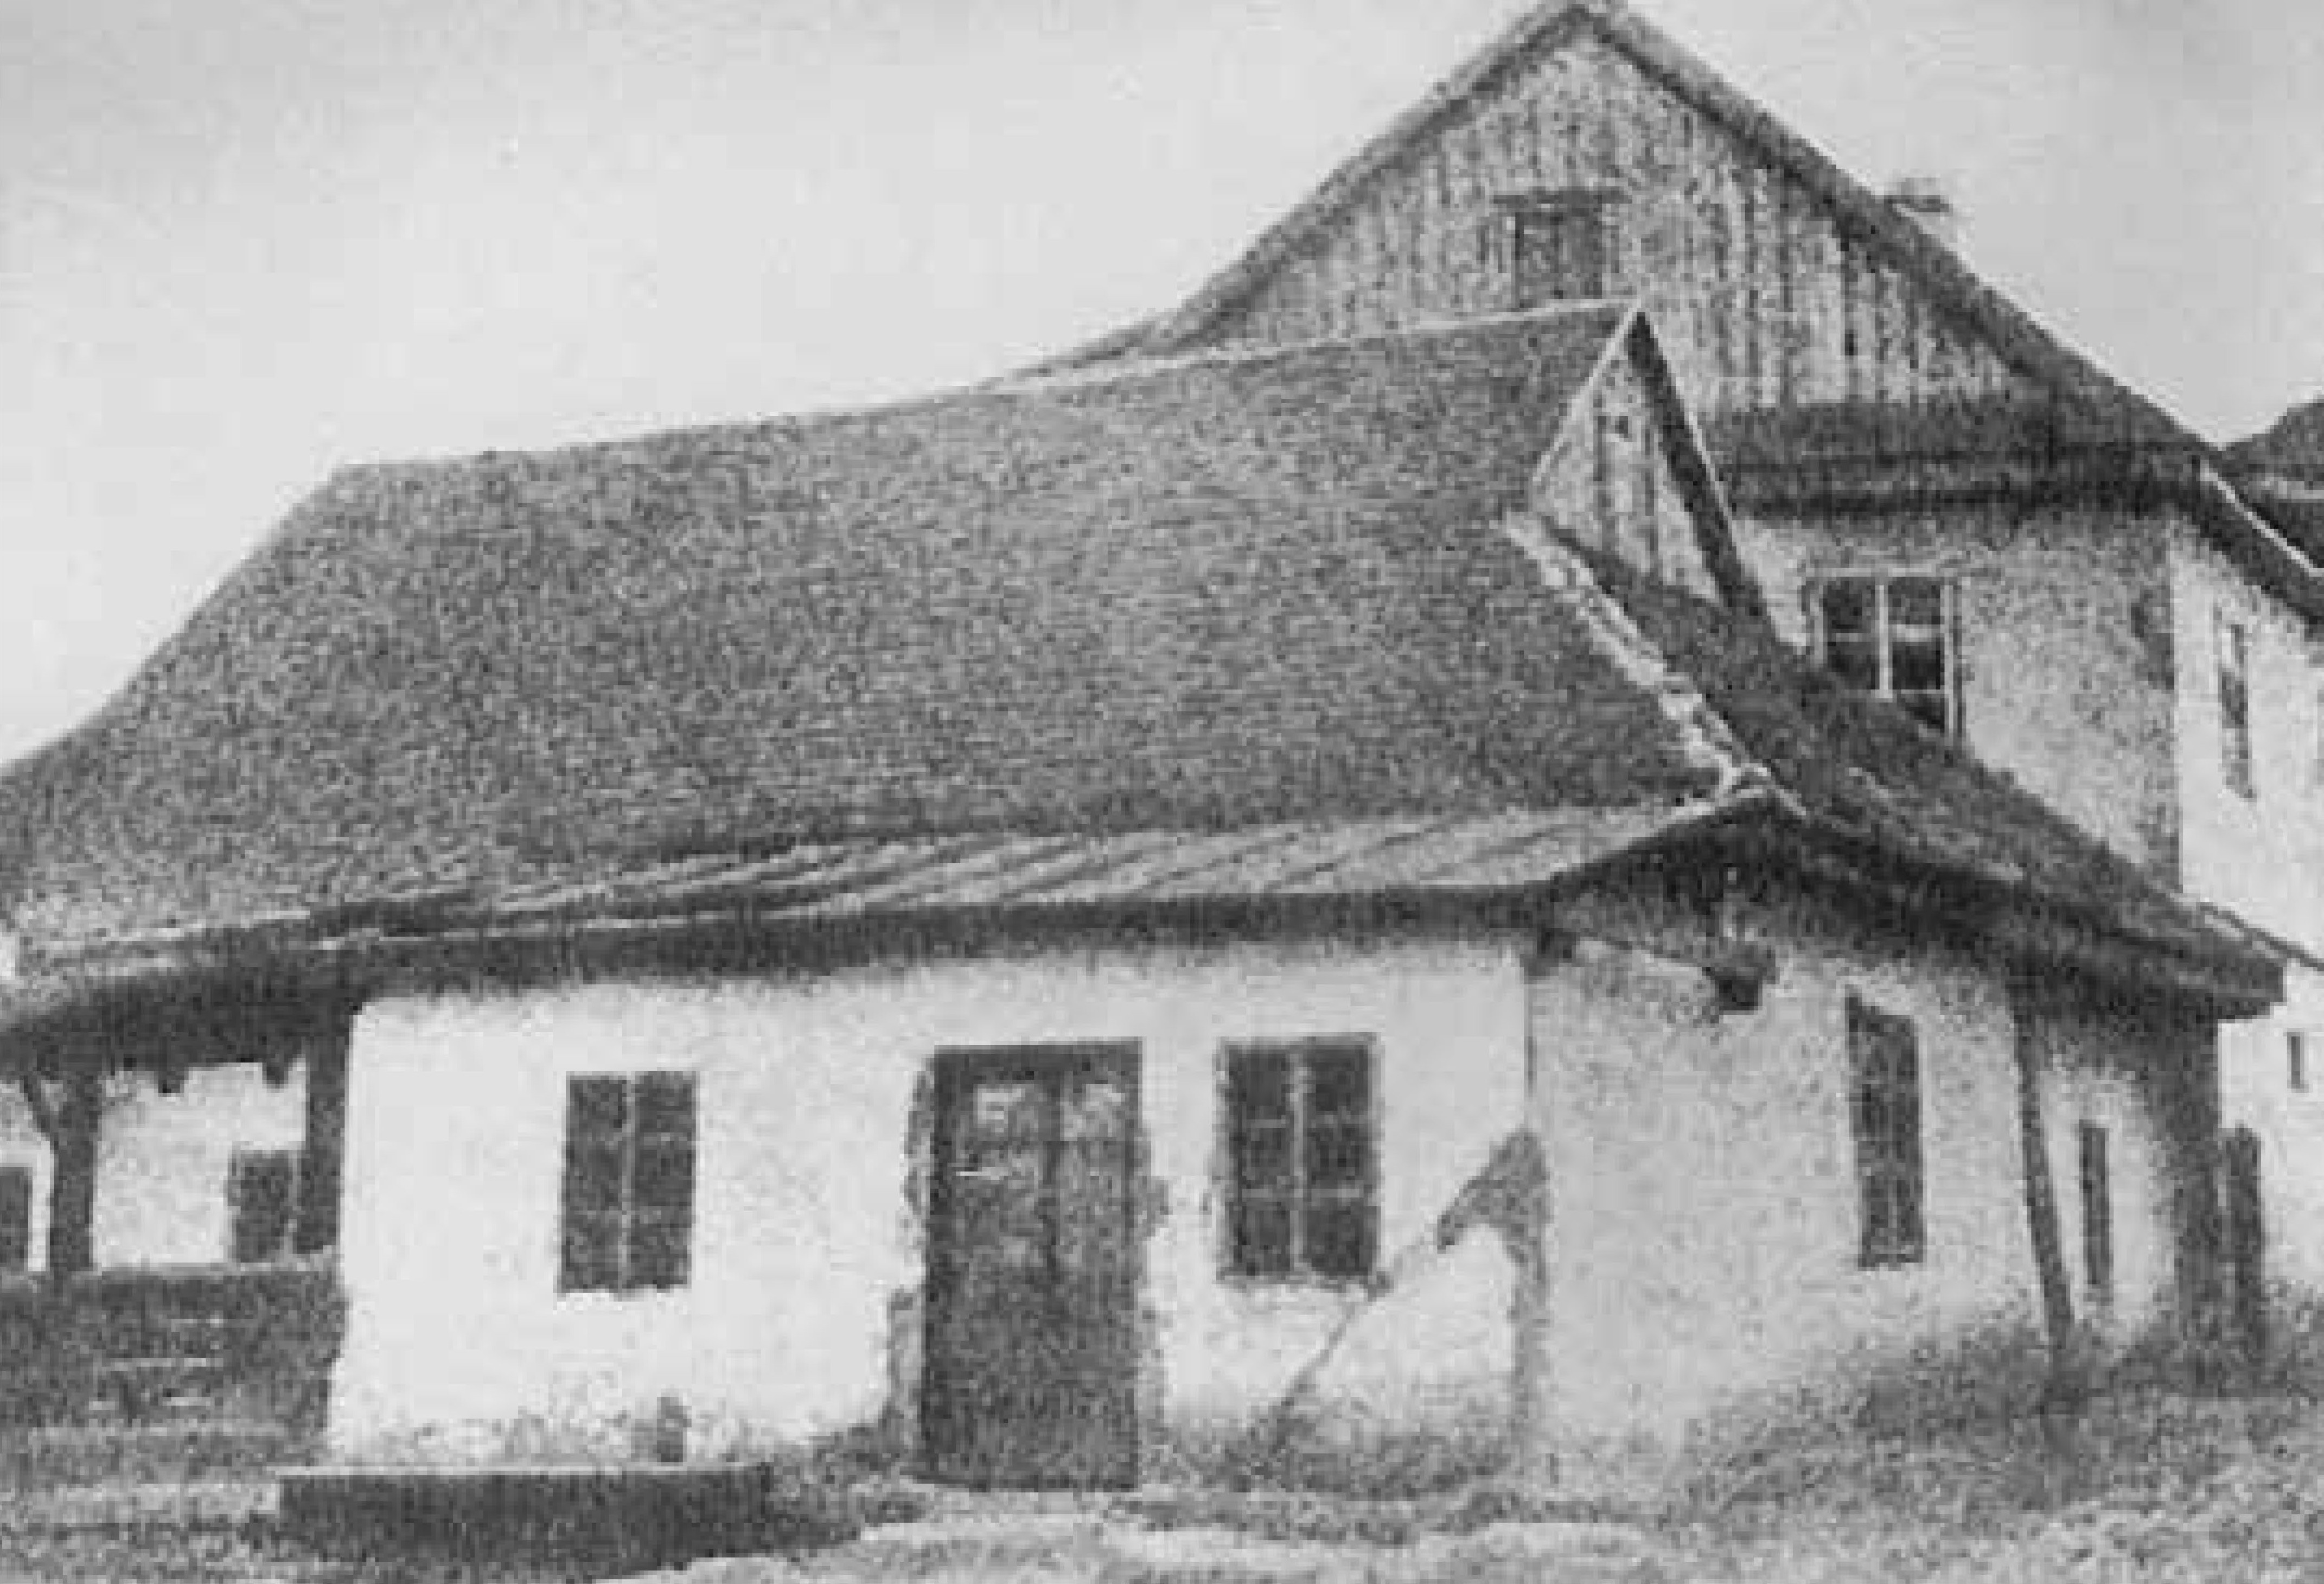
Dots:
{"x": 460, "y": 1346}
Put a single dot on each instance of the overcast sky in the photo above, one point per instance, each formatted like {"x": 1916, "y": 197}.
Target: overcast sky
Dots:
{"x": 244, "y": 241}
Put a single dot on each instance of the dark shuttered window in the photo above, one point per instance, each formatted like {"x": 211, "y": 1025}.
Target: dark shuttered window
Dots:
{"x": 2097, "y": 1211}
{"x": 15, "y": 1219}
{"x": 1302, "y": 1194}
{"x": 629, "y": 1183}
{"x": 1884, "y": 1055}
{"x": 262, "y": 1204}
{"x": 2234, "y": 645}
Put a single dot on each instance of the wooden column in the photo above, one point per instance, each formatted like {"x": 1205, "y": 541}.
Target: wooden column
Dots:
{"x": 321, "y": 1165}
{"x": 2065, "y": 1386}
{"x": 69, "y": 1112}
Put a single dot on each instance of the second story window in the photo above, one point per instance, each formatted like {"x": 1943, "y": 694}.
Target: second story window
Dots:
{"x": 2232, "y": 639}
{"x": 1561, "y": 246}
{"x": 1895, "y": 637}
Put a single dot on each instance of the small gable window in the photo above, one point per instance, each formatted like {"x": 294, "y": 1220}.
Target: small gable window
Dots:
{"x": 15, "y": 1219}
{"x": 1303, "y": 1189}
{"x": 2097, "y": 1211}
{"x": 261, "y": 1189}
{"x": 2232, "y": 639}
{"x": 1884, "y": 1066}
{"x": 629, "y": 1183}
{"x": 2295, "y": 1061}
{"x": 1562, "y": 245}
{"x": 1896, "y": 638}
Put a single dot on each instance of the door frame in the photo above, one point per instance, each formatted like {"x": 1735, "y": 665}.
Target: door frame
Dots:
{"x": 952, "y": 1069}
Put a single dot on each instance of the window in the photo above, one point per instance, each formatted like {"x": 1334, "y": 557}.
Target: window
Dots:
{"x": 1884, "y": 1059}
{"x": 1895, "y": 638}
{"x": 1303, "y": 1187}
{"x": 1561, "y": 246}
{"x": 261, "y": 1188}
{"x": 2295, "y": 1061}
{"x": 15, "y": 1219}
{"x": 629, "y": 1183}
{"x": 2097, "y": 1211}
{"x": 2233, "y": 640}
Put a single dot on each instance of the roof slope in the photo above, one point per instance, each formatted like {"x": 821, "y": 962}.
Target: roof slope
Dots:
{"x": 2105, "y": 405}
{"x": 1210, "y": 594}
{"x": 872, "y": 660}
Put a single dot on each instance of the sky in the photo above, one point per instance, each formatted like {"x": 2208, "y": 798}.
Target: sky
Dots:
{"x": 245, "y": 242}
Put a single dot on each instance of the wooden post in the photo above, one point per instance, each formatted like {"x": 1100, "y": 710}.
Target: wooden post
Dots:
{"x": 322, "y": 1162}
{"x": 69, "y": 1118}
{"x": 2065, "y": 1386}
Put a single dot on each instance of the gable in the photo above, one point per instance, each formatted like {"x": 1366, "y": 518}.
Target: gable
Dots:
{"x": 1777, "y": 281}
{"x": 1612, "y": 480}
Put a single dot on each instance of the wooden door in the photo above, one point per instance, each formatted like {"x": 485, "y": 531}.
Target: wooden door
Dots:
{"x": 1033, "y": 1264}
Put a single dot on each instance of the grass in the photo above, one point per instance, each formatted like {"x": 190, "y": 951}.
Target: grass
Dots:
{"x": 2145, "y": 1488}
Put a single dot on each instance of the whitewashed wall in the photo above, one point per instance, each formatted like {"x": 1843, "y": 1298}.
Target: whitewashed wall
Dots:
{"x": 459, "y": 1343}
{"x": 1705, "y": 1283}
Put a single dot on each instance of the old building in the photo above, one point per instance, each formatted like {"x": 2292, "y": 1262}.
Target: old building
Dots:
{"x": 1280, "y": 910}
{"x": 1944, "y": 503}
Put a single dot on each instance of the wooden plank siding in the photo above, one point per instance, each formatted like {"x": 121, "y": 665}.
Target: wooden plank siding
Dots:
{"x": 1763, "y": 299}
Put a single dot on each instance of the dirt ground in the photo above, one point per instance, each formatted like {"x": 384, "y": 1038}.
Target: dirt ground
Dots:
{"x": 2147, "y": 1488}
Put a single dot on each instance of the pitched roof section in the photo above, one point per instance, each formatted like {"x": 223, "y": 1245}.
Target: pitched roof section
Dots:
{"x": 1223, "y": 591}
{"x": 2110, "y": 407}
{"x": 989, "y": 650}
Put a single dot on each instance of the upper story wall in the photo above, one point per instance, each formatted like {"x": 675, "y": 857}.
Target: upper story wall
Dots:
{"x": 2063, "y": 635}
{"x": 1763, "y": 297}
{"x": 2253, "y": 845}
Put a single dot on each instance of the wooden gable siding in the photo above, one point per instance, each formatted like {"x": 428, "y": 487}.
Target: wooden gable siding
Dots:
{"x": 1763, "y": 300}
{"x": 1610, "y": 483}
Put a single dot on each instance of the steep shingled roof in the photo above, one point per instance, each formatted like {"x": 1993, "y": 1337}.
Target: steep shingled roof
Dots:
{"x": 1214, "y": 593}
{"x": 1297, "y": 587}
{"x": 2100, "y": 402}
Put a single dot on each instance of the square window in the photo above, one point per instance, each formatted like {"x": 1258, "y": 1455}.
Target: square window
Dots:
{"x": 1302, "y": 1141}
{"x": 1562, "y": 245}
{"x": 1896, "y": 638}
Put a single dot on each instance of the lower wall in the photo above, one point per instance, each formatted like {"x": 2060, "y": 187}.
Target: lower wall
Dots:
{"x": 164, "y": 1160}
{"x": 807, "y": 1254}
{"x": 2260, "y": 1090}
{"x": 1705, "y": 1287}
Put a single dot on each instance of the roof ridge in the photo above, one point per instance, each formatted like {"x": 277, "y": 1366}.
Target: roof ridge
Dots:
{"x": 1705, "y": 738}
{"x": 2016, "y": 336}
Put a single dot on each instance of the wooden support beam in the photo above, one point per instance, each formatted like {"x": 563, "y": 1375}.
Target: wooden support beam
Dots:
{"x": 2066, "y": 1385}
{"x": 322, "y": 1164}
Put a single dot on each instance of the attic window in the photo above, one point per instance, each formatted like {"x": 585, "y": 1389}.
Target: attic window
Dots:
{"x": 1896, "y": 638}
{"x": 1562, "y": 245}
